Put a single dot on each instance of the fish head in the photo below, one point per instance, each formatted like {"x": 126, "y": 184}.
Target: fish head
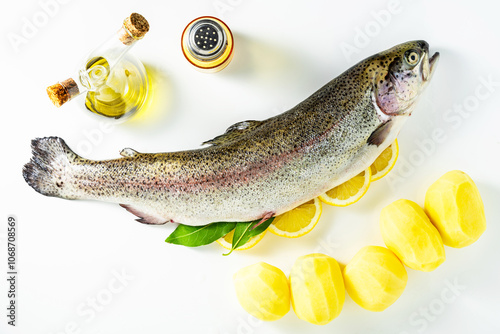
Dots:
{"x": 400, "y": 75}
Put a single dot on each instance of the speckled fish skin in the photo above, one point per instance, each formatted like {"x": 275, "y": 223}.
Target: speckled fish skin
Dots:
{"x": 258, "y": 168}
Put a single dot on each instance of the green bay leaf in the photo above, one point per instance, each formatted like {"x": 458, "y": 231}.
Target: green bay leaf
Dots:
{"x": 244, "y": 231}
{"x": 194, "y": 236}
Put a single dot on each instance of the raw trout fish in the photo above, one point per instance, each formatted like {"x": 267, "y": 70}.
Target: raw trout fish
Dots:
{"x": 257, "y": 169}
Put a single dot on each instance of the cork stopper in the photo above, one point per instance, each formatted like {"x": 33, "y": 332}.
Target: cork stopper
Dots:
{"x": 134, "y": 27}
{"x": 62, "y": 92}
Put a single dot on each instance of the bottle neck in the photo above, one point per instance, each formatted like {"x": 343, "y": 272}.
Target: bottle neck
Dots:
{"x": 126, "y": 37}
{"x": 109, "y": 53}
{"x": 101, "y": 62}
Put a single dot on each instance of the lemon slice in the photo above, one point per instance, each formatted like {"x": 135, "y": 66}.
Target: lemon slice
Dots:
{"x": 227, "y": 241}
{"x": 297, "y": 222}
{"x": 385, "y": 161}
{"x": 348, "y": 192}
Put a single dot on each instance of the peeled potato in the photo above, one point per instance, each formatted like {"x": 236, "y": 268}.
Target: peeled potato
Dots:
{"x": 375, "y": 278}
{"x": 263, "y": 291}
{"x": 408, "y": 232}
{"x": 454, "y": 206}
{"x": 317, "y": 288}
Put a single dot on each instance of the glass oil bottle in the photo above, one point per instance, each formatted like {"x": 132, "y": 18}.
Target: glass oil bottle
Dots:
{"x": 115, "y": 81}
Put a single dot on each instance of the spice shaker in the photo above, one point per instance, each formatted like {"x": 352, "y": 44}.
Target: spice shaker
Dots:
{"x": 207, "y": 43}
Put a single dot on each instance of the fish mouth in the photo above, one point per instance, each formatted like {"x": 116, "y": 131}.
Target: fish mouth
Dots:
{"x": 428, "y": 66}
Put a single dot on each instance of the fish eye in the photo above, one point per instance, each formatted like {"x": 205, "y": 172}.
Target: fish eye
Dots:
{"x": 412, "y": 57}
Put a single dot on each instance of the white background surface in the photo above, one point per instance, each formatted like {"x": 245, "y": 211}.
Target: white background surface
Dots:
{"x": 70, "y": 251}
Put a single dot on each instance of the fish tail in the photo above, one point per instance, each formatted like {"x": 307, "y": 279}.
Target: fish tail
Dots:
{"x": 50, "y": 169}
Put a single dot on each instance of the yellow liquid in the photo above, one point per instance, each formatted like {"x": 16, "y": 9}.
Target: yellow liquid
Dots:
{"x": 124, "y": 91}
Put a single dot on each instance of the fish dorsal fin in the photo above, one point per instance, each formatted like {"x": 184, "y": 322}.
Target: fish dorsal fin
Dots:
{"x": 234, "y": 132}
{"x": 128, "y": 152}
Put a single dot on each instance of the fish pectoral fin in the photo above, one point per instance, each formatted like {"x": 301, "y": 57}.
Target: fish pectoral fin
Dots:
{"x": 380, "y": 134}
{"x": 128, "y": 152}
{"x": 145, "y": 218}
{"x": 234, "y": 132}
{"x": 265, "y": 218}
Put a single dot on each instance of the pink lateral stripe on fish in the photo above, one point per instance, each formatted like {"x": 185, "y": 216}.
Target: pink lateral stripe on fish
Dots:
{"x": 257, "y": 168}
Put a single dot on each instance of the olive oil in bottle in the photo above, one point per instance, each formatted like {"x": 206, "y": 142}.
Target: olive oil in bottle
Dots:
{"x": 115, "y": 81}
{"x": 124, "y": 91}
